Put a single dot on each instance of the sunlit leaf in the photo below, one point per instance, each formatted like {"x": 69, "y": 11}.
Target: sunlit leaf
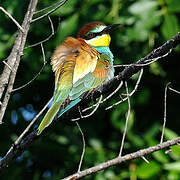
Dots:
{"x": 140, "y": 7}
{"x": 173, "y": 166}
{"x": 169, "y": 134}
{"x": 170, "y": 26}
{"x": 67, "y": 28}
{"x": 146, "y": 170}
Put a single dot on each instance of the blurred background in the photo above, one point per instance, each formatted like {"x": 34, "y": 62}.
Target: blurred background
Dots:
{"x": 145, "y": 25}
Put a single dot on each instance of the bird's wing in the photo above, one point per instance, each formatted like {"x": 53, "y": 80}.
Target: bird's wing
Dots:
{"x": 102, "y": 72}
{"x": 71, "y": 62}
{"x": 85, "y": 62}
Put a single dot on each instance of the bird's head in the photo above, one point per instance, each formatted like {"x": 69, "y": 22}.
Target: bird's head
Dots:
{"x": 96, "y": 34}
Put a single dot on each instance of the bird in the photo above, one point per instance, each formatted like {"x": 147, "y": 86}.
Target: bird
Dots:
{"x": 80, "y": 65}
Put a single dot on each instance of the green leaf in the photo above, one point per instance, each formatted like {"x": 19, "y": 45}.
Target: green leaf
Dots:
{"x": 156, "y": 69}
{"x": 170, "y": 26}
{"x": 62, "y": 139}
{"x": 169, "y": 134}
{"x": 176, "y": 149}
{"x": 173, "y": 175}
{"x": 146, "y": 170}
{"x": 135, "y": 139}
{"x": 143, "y": 97}
{"x": 141, "y": 7}
{"x": 95, "y": 143}
{"x": 66, "y": 9}
{"x": 160, "y": 156}
{"x": 118, "y": 118}
{"x": 138, "y": 33}
{"x": 67, "y": 27}
{"x": 173, "y": 166}
{"x": 173, "y": 6}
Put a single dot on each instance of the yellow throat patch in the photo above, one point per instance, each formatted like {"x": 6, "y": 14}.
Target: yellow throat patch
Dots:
{"x": 103, "y": 40}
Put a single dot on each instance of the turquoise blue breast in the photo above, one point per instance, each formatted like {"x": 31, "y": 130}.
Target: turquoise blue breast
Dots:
{"x": 105, "y": 50}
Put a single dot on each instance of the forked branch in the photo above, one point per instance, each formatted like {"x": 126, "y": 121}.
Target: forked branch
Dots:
{"x": 128, "y": 72}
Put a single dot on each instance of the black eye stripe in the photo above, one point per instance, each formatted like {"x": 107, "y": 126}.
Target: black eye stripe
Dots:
{"x": 92, "y": 35}
{"x": 89, "y": 36}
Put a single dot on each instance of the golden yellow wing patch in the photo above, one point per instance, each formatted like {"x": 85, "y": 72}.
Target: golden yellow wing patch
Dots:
{"x": 73, "y": 58}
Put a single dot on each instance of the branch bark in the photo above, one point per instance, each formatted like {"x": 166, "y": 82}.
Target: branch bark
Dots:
{"x": 9, "y": 74}
{"x": 122, "y": 159}
{"x": 132, "y": 69}
{"x": 128, "y": 72}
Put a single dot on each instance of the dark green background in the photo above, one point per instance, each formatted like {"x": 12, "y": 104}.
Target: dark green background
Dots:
{"x": 145, "y": 25}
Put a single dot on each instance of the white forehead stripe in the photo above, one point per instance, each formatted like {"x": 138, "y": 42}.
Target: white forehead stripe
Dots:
{"x": 99, "y": 28}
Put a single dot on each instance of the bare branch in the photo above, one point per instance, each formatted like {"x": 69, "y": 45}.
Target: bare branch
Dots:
{"x": 7, "y": 65}
{"x": 50, "y": 12}
{"x": 14, "y": 59}
{"x": 19, "y": 139}
{"x": 114, "y": 92}
{"x": 127, "y": 119}
{"x": 132, "y": 92}
{"x": 22, "y": 142}
{"x": 44, "y": 9}
{"x": 90, "y": 114}
{"x": 146, "y": 62}
{"x": 174, "y": 90}
{"x": 10, "y": 17}
{"x": 145, "y": 159}
{"x": 165, "y": 109}
{"x": 122, "y": 159}
{"x": 123, "y": 76}
{"x": 105, "y": 99}
{"x": 129, "y": 71}
{"x": 44, "y": 64}
{"x": 49, "y": 37}
{"x": 84, "y": 146}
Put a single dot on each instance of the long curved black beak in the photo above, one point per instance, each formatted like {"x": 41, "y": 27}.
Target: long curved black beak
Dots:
{"x": 110, "y": 28}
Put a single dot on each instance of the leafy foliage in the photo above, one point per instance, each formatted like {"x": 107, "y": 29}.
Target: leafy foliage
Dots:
{"x": 144, "y": 26}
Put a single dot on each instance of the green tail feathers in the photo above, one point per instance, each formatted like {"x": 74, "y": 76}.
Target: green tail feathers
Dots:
{"x": 48, "y": 118}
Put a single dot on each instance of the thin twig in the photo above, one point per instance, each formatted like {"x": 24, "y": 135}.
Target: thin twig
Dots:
{"x": 125, "y": 75}
{"x": 55, "y": 4}
{"x": 50, "y": 12}
{"x": 146, "y": 62}
{"x": 168, "y": 151}
{"x": 121, "y": 65}
{"x": 145, "y": 159}
{"x": 174, "y": 90}
{"x": 44, "y": 64}
{"x": 165, "y": 110}
{"x": 84, "y": 146}
{"x": 7, "y": 65}
{"x": 19, "y": 139}
{"x": 105, "y": 99}
{"x": 43, "y": 53}
{"x": 127, "y": 119}
{"x": 114, "y": 92}
{"x": 132, "y": 92}
{"x": 10, "y": 17}
{"x": 49, "y": 37}
{"x": 32, "y": 122}
{"x": 90, "y": 114}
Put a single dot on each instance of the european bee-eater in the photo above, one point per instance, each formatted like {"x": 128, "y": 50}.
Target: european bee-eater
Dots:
{"x": 80, "y": 64}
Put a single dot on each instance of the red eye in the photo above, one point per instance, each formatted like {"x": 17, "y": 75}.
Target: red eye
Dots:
{"x": 89, "y": 36}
